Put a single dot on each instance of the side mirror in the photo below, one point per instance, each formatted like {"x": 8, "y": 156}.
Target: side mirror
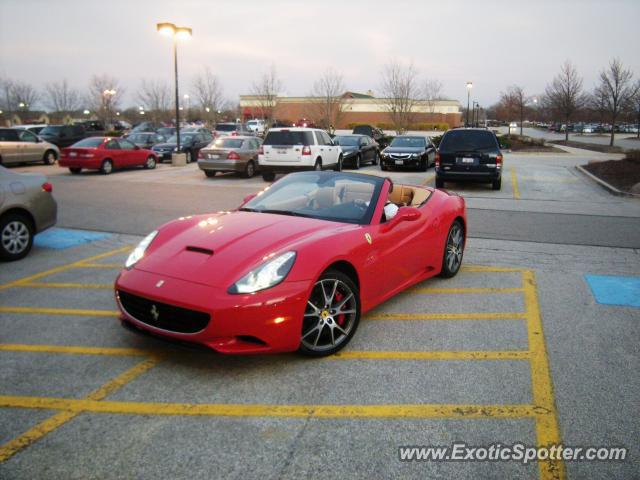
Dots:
{"x": 405, "y": 214}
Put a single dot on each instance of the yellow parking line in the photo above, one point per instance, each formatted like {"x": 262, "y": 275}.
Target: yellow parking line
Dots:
{"x": 60, "y": 311}
{"x": 77, "y": 350}
{"x": 464, "y": 290}
{"x": 428, "y": 180}
{"x": 63, "y": 268}
{"x": 47, "y": 426}
{"x": 105, "y": 266}
{"x": 514, "y": 184}
{"x": 547, "y": 429}
{"x": 438, "y": 355}
{"x": 266, "y": 410}
{"x": 65, "y": 285}
{"x": 445, "y": 316}
{"x": 484, "y": 268}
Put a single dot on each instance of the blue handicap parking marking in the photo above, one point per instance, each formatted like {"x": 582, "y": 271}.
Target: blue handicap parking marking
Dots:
{"x": 61, "y": 238}
{"x": 613, "y": 290}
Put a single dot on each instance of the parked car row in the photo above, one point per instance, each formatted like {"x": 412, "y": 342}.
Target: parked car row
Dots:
{"x": 592, "y": 128}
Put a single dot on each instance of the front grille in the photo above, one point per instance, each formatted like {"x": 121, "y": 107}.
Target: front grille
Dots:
{"x": 161, "y": 315}
{"x": 400, "y": 156}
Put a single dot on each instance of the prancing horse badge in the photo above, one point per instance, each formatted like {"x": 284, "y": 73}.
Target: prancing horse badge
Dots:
{"x": 368, "y": 238}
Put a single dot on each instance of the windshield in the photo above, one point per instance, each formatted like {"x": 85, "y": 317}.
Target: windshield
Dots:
{"x": 466, "y": 140}
{"x": 51, "y": 130}
{"x": 228, "y": 127}
{"x": 93, "y": 142}
{"x": 411, "y": 142}
{"x": 339, "y": 197}
{"x": 347, "y": 141}
{"x": 138, "y": 137}
{"x": 184, "y": 138}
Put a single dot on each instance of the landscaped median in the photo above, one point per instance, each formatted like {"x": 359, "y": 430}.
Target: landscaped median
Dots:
{"x": 621, "y": 177}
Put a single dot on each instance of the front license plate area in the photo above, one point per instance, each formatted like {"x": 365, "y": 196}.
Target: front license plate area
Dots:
{"x": 399, "y": 162}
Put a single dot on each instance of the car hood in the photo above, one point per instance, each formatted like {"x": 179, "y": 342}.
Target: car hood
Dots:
{"x": 165, "y": 146}
{"x": 404, "y": 149}
{"x": 217, "y": 250}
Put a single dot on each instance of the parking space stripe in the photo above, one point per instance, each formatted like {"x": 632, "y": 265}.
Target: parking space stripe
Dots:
{"x": 464, "y": 291}
{"x": 47, "y": 426}
{"x": 446, "y": 316}
{"x": 77, "y": 350}
{"x": 547, "y": 429}
{"x": 514, "y": 184}
{"x": 427, "y": 180}
{"x": 431, "y": 355}
{"x": 65, "y": 285}
{"x": 105, "y": 266}
{"x": 265, "y": 410}
{"x": 63, "y": 268}
{"x": 484, "y": 268}
{"x": 60, "y": 311}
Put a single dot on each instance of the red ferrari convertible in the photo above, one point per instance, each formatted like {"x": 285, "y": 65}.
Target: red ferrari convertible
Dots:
{"x": 294, "y": 267}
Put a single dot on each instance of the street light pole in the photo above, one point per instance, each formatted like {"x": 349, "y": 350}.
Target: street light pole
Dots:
{"x": 175, "y": 71}
{"x": 469, "y": 87}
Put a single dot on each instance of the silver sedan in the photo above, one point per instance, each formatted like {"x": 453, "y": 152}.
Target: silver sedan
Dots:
{"x": 27, "y": 207}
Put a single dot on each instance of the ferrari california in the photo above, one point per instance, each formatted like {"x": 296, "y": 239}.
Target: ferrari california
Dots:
{"x": 294, "y": 267}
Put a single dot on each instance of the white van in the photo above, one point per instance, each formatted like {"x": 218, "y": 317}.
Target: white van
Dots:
{"x": 256, "y": 126}
{"x": 296, "y": 148}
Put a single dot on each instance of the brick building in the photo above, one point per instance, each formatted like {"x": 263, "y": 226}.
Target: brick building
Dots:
{"x": 357, "y": 108}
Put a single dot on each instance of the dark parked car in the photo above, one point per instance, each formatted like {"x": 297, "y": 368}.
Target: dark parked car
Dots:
{"x": 469, "y": 154}
{"x": 190, "y": 144}
{"x": 373, "y": 132}
{"x": 415, "y": 151}
{"x": 145, "y": 139}
{"x": 357, "y": 150}
{"x": 166, "y": 132}
{"x": 92, "y": 128}
{"x": 145, "y": 127}
{"x": 63, "y": 135}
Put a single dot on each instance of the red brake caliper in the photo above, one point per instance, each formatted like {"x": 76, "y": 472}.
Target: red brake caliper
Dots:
{"x": 340, "y": 318}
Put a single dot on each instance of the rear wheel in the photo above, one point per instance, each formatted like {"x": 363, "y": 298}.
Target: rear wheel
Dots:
{"x": 318, "y": 165}
{"x": 75, "y": 170}
{"x": 338, "y": 167}
{"x": 150, "y": 164}
{"x": 50, "y": 157}
{"x": 376, "y": 157}
{"x": 210, "y": 173}
{"x": 268, "y": 176}
{"x": 453, "y": 250}
{"x": 250, "y": 169}
{"x": 439, "y": 182}
{"x": 332, "y": 315}
{"x": 16, "y": 236}
{"x": 107, "y": 167}
{"x": 497, "y": 184}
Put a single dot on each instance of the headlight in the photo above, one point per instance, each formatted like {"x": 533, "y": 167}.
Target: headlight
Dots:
{"x": 266, "y": 275}
{"x": 415, "y": 155}
{"x": 138, "y": 252}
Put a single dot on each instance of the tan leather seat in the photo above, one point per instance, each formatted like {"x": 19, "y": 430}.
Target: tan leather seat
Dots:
{"x": 355, "y": 191}
{"x": 402, "y": 195}
{"x": 324, "y": 197}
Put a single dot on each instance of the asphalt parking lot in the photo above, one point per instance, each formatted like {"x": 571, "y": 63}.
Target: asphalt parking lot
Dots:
{"x": 516, "y": 348}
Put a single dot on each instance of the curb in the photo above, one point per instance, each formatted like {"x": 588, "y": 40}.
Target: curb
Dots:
{"x": 606, "y": 185}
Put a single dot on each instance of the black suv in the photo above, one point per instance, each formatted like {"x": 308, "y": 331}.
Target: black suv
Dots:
{"x": 469, "y": 154}
{"x": 373, "y": 132}
{"x": 63, "y": 135}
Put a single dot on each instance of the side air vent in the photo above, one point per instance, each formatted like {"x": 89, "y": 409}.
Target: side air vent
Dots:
{"x": 206, "y": 251}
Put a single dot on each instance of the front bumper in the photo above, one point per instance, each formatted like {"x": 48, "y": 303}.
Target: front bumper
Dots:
{"x": 406, "y": 162}
{"x": 265, "y": 322}
{"x": 163, "y": 155}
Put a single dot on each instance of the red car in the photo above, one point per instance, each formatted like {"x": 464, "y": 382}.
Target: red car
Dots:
{"x": 105, "y": 154}
{"x": 294, "y": 267}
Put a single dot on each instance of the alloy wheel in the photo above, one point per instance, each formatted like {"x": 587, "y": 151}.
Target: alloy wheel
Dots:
{"x": 15, "y": 237}
{"x": 455, "y": 246}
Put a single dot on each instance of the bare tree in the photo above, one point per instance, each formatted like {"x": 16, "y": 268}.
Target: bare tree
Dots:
{"x": 518, "y": 100}
{"x": 400, "y": 90}
{"x": 328, "y": 99}
{"x": 564, "y": 95}
{"x": 22, "y": 96}
{"x": 616, "y": 90}
{"x": 100, "y": 97}
{"x": 266, "y": 92}
{"x": 431, "y": 92}
{"x": 634, "y": 107}
{"x": 5, "y": 94}
{"x": 61, "y": 97}
{"x": 209, "y": 94}
{"x": 155, "y": 96}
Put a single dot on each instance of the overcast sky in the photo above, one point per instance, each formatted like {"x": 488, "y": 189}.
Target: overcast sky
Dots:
{"x": 494, "y": 44}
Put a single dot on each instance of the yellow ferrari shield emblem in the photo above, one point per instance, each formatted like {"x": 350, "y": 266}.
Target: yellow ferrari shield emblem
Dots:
{"x": 368, "y": 238}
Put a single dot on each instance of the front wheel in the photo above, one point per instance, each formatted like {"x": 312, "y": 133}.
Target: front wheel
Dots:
{"x": 453, "y": 250}
{"x": 338, "y": 167}
{"x": 376, "y": 158}
{"x": 107, "y": 167}
{"x": 357, "y": 164}
{"x": 424, "y": 164}
{"x": 150, "y": 164}
{"x": 188, "y": 157}
{"x": 16, "y": 236}
{"x": 50, "y": 157}
{"x": 332, "y": 315}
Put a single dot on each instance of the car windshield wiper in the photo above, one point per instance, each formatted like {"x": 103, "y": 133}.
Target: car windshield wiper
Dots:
{"x": 282, "y": 212}
{"x": 246, "y": 209}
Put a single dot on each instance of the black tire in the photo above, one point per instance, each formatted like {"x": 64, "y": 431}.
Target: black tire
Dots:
{"x": 376, "y": 158}
{"x": 497, "y": 184}
{"x": 338, "y": 167}
{"x": 344, "y": 296}
{"x": 150, "y": 164}
{"x": 318, "y": 165}
{"x": 357, "y": 162}
{"x": 424, "y": 164}
{"x": 189, "y": 156}
{"x": 16, "y": 236}
{"x": 383, "y": 167}
{"x": 453, "y": 250}
{"x": 268, "y": 176}
{"x": 250, "y": 169}
{"x": 49, "y": 157}
{"x": 439, "y": 183}
{"x": 210, "y": 173}
{"x": 107, "y": 167}
{"x": 75, "y": 170}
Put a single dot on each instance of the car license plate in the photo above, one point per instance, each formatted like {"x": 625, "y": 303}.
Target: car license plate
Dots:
{"x": 282, "y": 151}
{"x": 399, "y": 162}
{"x": 468, "y": 160}
{"x": 73, "y": 154}
{"x": 214, "y": 157}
